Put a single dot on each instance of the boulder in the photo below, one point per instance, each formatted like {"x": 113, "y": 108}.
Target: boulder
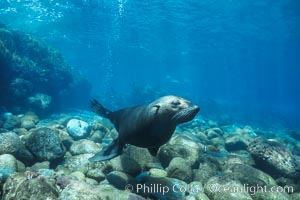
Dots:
{"x": 154, "y": 172}
{"x": 45, "y": 144}
{"x": 213, "y": 133}
{"x": 29, "y": 120}
{"x": 10, "y": 143}
{"x": 78, "y": 129}
{"x": 78, "y": 175}
{"x": 272, "y": 157}
{"x": 40, "y": 165}
{"x": 248, "y": 175}
{"x": 272, "y": 195}
{"x": 124, "y": 164}
{"x": 295, "y": 196}
{"x": 179, "y": 147}
{"x": 96, "y": 174}
{"x": 204, "y": 172}
{"x": 12, "y": 122}
{"x": 8, "y": 165}
{"x": 235, "y": 143}
{"x": 78, "y": 163}
{"x": 140, "y": 155}
{"x": 96, "y": 136}
{"x": 180, "y": 169}
{"x": 26, "y": 186}
{"x": 84, "y": 146}
{"x": 120, "y": 180}
{"x": 76, "y": 190}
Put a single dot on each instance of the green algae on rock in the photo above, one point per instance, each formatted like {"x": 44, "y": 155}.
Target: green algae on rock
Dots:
{"x": 76, "y": 190}
{"x": 179, "y": 168}
{"x": 273, "y": 157}
{"x": 248, "y": 175}
{"x": 45, "y": 144}
{"x": 34, "y": 75}
{"x": 32, "y": 66}
{"x": 8, "y": 166}
{"x": 10, "y": 143}
{"x": 27, "y": 186}
{"x": 84, "y": 146}
{"x": 78, "y": 163}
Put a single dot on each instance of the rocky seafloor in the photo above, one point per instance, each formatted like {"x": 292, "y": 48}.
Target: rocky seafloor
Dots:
{"x": 48, "y": 159}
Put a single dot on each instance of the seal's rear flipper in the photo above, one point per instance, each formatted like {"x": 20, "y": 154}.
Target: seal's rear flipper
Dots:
{"x": 153, "y": 151}
{"x": 99, "y": 109}
{"x": 108, "y": 152}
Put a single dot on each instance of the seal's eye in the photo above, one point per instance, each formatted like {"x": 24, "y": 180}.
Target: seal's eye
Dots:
{"x": 175, "y": 104}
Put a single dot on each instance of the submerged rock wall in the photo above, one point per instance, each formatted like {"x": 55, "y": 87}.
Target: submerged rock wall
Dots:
{"x": 33, "y": 75}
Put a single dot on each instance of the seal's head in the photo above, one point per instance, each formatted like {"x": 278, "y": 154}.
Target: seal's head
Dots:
{"x": 175, "y": 109}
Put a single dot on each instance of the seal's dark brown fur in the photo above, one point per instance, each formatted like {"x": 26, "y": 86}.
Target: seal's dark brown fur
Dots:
{"x": 148, "y": 126}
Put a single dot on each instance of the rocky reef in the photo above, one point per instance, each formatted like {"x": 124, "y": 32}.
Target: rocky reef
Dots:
{"x": 33, "y": 75}
{"x": 48, "y": 159}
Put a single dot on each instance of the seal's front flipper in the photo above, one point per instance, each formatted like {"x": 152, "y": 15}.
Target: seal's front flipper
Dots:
{"x": 108, "y": 152}
{"x": 153, "y": 151}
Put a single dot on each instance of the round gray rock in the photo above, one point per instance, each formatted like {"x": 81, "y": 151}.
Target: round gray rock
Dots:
{"x": 179, "y": 147}
{"x": 8, "y": 165}
{"x": 124, "y": 164}
{"x": 12, "y": 122}
{"x": 84, "y": 146}
{"x": 29, "y": 120}
{"x": 179, "y": 168}
{"x": 120, "y": 179}
{"x": 78, "y": 129}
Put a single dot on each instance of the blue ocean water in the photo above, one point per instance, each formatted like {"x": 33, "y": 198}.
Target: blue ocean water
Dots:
{"x": 238, "y": 60}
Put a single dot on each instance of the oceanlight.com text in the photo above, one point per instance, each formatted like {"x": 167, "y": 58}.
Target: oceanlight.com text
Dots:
{"x": 249, "y": 188}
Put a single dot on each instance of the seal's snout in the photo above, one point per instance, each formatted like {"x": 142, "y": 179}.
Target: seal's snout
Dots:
{"x": 196, "y": 108}
{"x": 186, "y": 114}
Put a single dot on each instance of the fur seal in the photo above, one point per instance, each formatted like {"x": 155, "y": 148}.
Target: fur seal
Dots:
{"x": 148, "y": 126}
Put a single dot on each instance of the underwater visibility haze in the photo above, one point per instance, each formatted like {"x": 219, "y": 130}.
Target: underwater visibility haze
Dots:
{"x": 238, "y": 60}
